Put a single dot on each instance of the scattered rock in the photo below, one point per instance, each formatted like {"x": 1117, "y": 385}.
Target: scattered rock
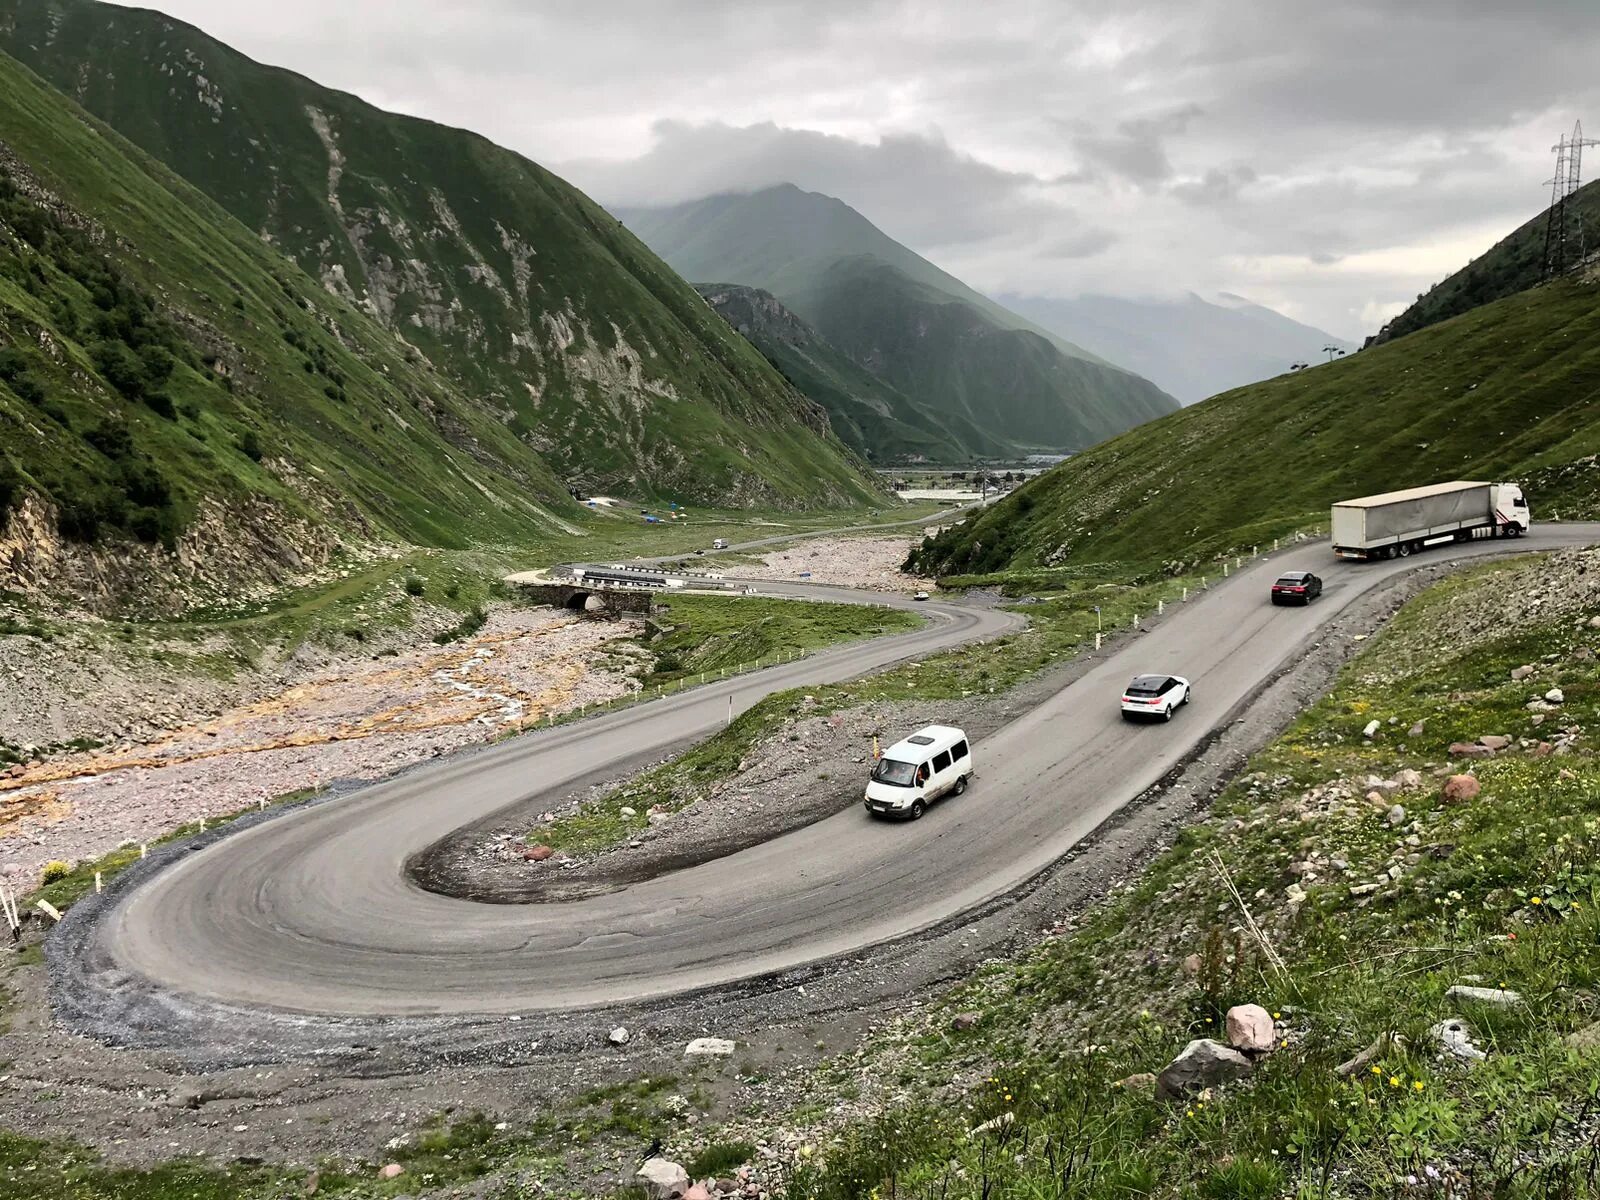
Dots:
{"x": 1003, "y": 1121}
{"x": 1396, "y": 816}
{"x": 1203, "y": 1063}
{"x": 965, "y": 1020}
{"x": 1364, "y": 889}
{"x": 1142, "y": 1082}
{"x": 627, "y": 812}
{"x": 664, "y": 1179}
{"x": 537, "y": 853}
{"x": 1372, "y": 729}
{"x": 1417, "y": 730}
{"x": 619, "y": 1036}
{"x": 1518, "y": 674}
{"x": 392, "y": 1171}
{"x": 1499, "y": 997}
{"x": 1250, "y": 1029}
{"x": 1587, "y": 1038}
{"x": 1494, "y": 741}
{"x": 710, "y": 1047}
{"x": 1454, "y": 1039}
{"x": 1470, "y": 750}
{"x": 1555, "y": 696}
{"x": 697, "y": 1192}
{"x": 1409, "y": 779}
{"x": 1191, "y": 965}
{"x": 1380, "y": 1046}
{"x": 1460, "y": 788}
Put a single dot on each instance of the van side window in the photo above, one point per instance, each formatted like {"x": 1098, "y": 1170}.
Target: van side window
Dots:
{"x": 958, "y": 751}
{"x": 941, "y": 761}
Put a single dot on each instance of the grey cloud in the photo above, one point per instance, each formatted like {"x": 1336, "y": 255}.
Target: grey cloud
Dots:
{"x": 1307, "y": 154}
{"x": 917, "y": 187}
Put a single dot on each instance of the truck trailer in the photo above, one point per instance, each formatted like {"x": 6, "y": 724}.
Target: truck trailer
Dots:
{"x": 1394, "y": 524}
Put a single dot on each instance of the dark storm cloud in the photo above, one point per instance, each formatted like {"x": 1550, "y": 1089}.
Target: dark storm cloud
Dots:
{"x": 1328, "y": 159}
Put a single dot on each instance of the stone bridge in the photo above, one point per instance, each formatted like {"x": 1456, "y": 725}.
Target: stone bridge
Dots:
{"x": 594, "y": 598}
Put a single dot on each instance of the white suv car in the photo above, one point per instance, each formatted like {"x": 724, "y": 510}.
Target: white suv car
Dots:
{"x": 1155, "y": 696}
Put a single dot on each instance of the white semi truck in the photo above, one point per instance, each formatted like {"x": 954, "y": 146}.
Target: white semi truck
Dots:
{"x": 1394, "y": 524}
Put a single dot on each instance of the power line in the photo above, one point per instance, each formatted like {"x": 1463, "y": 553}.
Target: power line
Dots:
{"x": 1564, "y": 246}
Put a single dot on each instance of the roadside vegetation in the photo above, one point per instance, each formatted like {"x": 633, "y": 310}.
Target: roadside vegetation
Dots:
{"x": 1344, "y": 895}
{"x": 1505, "y": 391}
{"x": 703, "y": 634}
{"x": 1062, "y": 623}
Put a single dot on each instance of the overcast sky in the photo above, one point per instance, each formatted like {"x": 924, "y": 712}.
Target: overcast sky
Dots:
{"x": 1327, "y": 159}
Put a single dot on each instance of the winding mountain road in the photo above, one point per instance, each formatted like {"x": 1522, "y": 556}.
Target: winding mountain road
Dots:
{"x": 314, "y": 912}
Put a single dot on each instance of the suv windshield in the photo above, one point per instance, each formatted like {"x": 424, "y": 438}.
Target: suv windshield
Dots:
{"x": 892, "y": 771}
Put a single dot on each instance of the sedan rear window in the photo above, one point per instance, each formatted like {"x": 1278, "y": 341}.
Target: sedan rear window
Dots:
{"x": 1291, "y": 580}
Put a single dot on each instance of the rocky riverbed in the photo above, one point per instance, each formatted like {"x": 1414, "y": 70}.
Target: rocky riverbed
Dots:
{"x": 352, "y": 719}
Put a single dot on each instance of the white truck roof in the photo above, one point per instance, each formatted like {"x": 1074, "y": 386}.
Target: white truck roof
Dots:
{"x": 1416, "y": 493}
{"x": 924, "y": 743}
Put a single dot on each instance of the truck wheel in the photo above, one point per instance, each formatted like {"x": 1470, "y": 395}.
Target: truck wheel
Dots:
{"x": 961, "y": 785}
{"x": 1403, "y": 549}
{"x": 1513, "y": 530}
{"x": 917, "y": 809}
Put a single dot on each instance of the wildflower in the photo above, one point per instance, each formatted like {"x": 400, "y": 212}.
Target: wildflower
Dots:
{"x": 1417, "y": 1085}
{"x": 1377, "y": 1070}
{"x": 1534, "y": 900}
{"x": 1411, "y": 1179}
{"x": 1394, "y": 1081}
{"x": 1276, "y": 1015}
{"x": 1511, "y": 937}
{"x": 1431, "y": 1171}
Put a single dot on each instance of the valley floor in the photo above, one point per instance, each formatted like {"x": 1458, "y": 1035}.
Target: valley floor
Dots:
{"x": 1339, "y": 883}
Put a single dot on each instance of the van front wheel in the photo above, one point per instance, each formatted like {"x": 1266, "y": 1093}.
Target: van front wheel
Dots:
{"x": 961, "y": 785}
{"x": 917, "y": 809}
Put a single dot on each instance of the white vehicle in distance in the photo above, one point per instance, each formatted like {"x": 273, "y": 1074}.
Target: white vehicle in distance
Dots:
{"x": 913, "y": 773}
{"x": 920, "y": 596}
{"x": 1155, "y": 696}
{"x": 719, "y": 543}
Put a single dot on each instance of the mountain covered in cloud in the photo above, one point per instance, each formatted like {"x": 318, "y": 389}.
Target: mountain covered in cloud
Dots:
{"x": 1002, "y": 385}
{"x": 1189, "y": 347}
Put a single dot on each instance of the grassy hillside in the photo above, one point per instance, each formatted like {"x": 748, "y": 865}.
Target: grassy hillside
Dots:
{"x": 1350, "y": 920}
{"x": 1507, "y": 391}
{"x": 560, "y": 325}
{"x": 164, "y": 375}
{"x": 953, "y": 352}
{"x": 871, "y": 417}
{"x": 1514, "y": 263}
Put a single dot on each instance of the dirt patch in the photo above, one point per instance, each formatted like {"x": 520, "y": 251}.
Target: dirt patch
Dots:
{"x": 859, "y": 562}
{"x": 357, "y": 720}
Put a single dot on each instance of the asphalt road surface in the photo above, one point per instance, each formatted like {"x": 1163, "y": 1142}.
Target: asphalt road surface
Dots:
{"x": 314, "y": 912}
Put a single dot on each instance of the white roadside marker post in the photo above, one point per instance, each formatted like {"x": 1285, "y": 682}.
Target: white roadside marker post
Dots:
{"x": 144, "y": 848}
{"x": 730, "y": 710}
{"x": 1097, "y": 640}
{"x": 97, "y": 883}
{"x": 1186, "y": 595}
{"x": 1161, "y": 607}
{"x": 49, "y": 910}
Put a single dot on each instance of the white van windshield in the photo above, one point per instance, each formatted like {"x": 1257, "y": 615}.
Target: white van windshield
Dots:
{"x": 891, "y": 771}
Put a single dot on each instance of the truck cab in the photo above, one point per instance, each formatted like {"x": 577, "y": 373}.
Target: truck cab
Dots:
{"x": 1511, "y": 508}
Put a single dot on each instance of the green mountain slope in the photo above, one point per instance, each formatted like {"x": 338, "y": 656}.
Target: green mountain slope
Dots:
{"x": 168, "y": 381}
{"x": 523, "y": 293}
{"x": 1507, "y": 391}
{"x": 954, "y": 352}
{"x": 869, "y": 415}
{"x": 1511, "y": 265}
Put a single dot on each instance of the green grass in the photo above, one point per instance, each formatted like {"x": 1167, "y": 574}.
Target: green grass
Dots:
{"x": 1506, "y": 391}
{"x": 1504, "y": 889}
{"x": 1514, "y": 263}
{"x": 712, "y": 633}
{"x": 1061, "y": 625}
